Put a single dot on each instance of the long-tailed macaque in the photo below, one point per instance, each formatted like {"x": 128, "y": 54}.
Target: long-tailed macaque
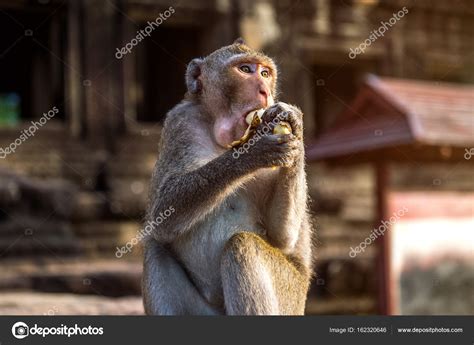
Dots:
{"x": 239, "y": 239}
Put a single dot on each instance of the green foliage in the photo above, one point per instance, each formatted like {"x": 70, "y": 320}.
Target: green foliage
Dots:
{"x": 9, "y": 109}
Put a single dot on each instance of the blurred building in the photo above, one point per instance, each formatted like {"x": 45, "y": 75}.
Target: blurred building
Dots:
{"x": 95, "y": 156}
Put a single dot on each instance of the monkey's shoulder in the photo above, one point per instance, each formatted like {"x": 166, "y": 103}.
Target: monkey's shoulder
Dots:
{"x": 184, "y": 115}
{"x": 184, "y": 133}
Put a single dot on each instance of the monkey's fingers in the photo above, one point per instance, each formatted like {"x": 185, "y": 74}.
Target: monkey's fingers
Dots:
{"x": 283, "y": 143}
{"x": 271, "y": 113}
{"x": 295, "y": 121}
{"x": 284, "y": 138}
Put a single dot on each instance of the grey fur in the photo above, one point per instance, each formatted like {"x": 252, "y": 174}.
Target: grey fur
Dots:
{"x": 239, "y": 241}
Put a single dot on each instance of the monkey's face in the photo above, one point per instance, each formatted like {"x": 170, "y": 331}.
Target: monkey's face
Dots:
{"x": 245, "y": 84}
{"x": 230, "y": 83}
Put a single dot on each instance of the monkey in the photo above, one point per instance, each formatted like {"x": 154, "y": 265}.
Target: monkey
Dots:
{"x": 239, "y": 241}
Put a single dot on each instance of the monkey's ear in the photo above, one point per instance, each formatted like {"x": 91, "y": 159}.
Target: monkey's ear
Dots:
{"x": 239, "y": 40}
{"x": 192, "y": 76}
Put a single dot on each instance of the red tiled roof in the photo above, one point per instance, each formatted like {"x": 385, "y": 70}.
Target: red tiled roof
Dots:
{"x": 391, "y": 113}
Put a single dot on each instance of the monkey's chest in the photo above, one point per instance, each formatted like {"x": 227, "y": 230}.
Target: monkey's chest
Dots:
{"x": 201, "y": 250}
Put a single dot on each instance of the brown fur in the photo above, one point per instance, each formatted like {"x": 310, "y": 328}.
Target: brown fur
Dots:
{"x": 239, "y": 241}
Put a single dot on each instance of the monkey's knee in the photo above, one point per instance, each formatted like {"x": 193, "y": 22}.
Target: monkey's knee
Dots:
{"x": 239, "y": 252}
{"x": 244, "y": 249}
{"x": 247, "y": 280}
{"x": 259, "y": 279}
{"x": 247, "y": 247}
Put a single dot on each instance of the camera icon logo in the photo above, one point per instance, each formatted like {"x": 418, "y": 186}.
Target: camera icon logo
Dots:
{"x": 20, "y": 330}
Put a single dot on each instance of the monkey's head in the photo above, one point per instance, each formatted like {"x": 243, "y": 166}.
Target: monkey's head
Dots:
{"x": 230, "y": 83}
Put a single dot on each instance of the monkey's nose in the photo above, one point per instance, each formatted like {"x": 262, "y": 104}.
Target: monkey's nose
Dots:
{"x": 265, "y": 96}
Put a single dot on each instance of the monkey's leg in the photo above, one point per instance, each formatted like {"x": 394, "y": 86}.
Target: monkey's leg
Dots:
{"x": 166, "y": 287}
{"x": 258, "y": 279}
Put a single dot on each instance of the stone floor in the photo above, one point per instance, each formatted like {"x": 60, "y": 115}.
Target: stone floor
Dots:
{"x": 35, "y": 303}
{"x": 70, "y": 287}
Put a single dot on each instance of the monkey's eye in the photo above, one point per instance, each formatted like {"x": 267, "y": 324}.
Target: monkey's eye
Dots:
{"x": 265, "y": 73}
{"x": 246, "y": 68}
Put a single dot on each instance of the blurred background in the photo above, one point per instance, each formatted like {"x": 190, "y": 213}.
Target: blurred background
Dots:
{"x": 387, "y": 91}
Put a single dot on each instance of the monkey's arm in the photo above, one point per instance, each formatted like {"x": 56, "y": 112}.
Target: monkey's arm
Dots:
{"x": 287, "y": 206}
{"x": 186, "y": 180}
{"x": 194, "y": 194}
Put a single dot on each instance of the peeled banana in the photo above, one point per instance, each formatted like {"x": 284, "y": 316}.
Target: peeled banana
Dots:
{"x": 282, "y": 128}
{"x": 254, "y": 119}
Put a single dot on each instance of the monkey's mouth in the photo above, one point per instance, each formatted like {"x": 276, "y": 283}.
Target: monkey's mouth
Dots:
{"x": 246, "y": 120}
{"x": 251, "y": 115}
{"x": 252, "y": 118}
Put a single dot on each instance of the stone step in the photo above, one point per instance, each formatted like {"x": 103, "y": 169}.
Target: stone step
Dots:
{"x": 21, "y": 224}
{"x": 89, "y": 206}
{"x": 111, "y": 278}
{"x": 341, "y": 306}
{"x": 118, "y": 230}
{"x": 343, "y": 231}
{"x": 126, "y": 203}
{"x": 344, "y": 277}
{"x": 50, "y": 304}
{"x": 106, "y": 249}
{"x": 34, "y": 303}
{"x": 22, "y": 235}
{"x": 408, "y": 177}
{"x": 101, "y": 239}
{"x": 22, "y": 194}
{"x": 341, "y": 250}
{"x": 133, "y": 166}
{"x": 51, "y": 246}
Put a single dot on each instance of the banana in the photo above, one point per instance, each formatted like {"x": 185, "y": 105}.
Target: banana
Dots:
{"x": 253, "y": 114}
{"x": 282, "y": 128}
{"x": 253, "y": 119}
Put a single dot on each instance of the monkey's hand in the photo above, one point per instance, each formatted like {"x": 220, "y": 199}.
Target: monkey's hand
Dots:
{"x": 283, "y": 112}
{"x": 278, "y": 150}
{"x": 271, "y": 150}
{"x": 267, "y": 150}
